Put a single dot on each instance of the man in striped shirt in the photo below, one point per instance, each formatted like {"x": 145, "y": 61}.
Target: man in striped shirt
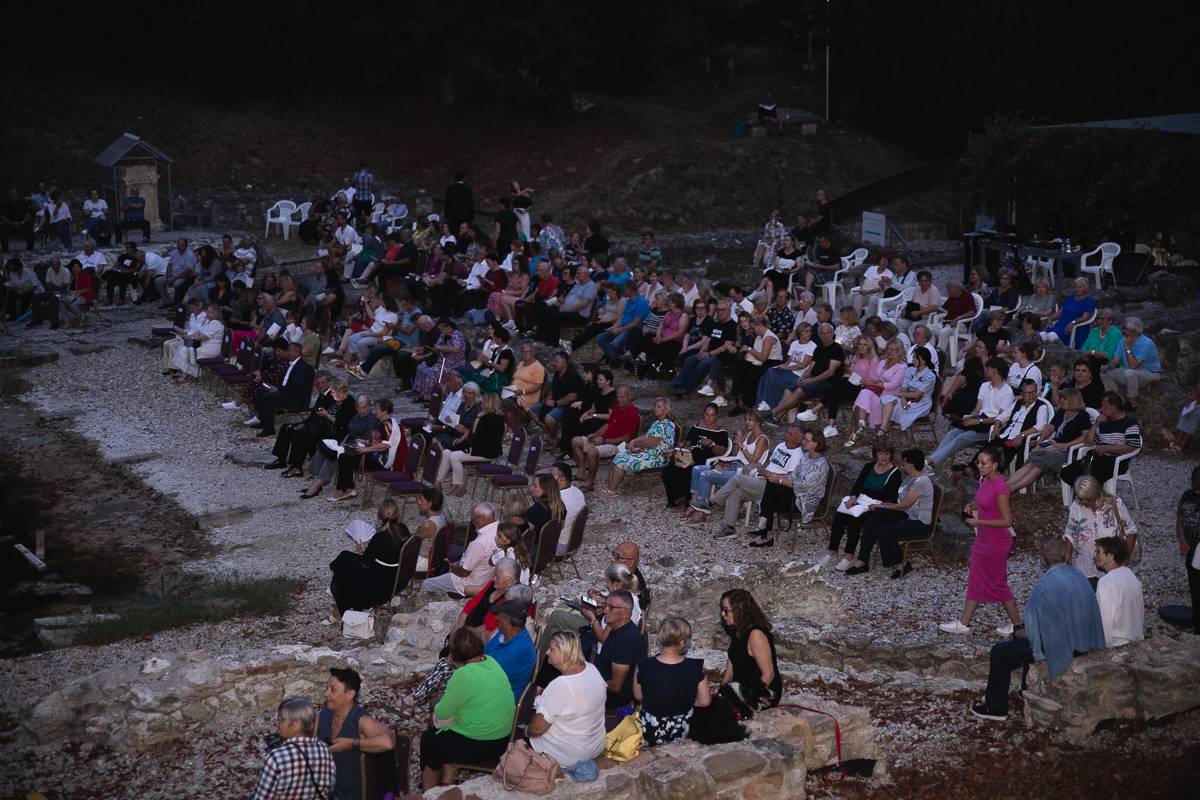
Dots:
{"x": 301, "y": 766}
{"x": 1115, "y": 433}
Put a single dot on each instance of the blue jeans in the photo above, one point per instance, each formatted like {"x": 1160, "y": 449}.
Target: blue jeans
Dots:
{"x": 704, "y": 478}
{"x": 774, "y": 383}
{"x": 957, "y": 439}
{"x": 612, "y": 345}
{"x": 695, "y": 370}
{"x": 62, "y": 230}
{"x": 553, "y": 412}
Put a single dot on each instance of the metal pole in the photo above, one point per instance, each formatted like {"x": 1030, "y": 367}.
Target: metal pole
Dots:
{"x": 827, "y": 20}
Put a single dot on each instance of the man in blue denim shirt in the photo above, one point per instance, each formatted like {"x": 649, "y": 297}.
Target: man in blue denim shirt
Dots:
{"x": 1062, "y": 619}
{"x": 511, "y": 646}
{"x": 612, "y": 341}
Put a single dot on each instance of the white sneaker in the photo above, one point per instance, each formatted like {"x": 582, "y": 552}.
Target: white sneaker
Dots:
{"x": 830, "y": 431}
{"x": 762, "y": 407}
{"x": 706, "y": 390}
{"x": 720, "y": 402}
{"x": 231, "y": 405}
{"x": 844, "y": 564}
{"x": 328, "y": 351}
{"x": 252, "y": 422}
{"x": 823, "y": 560}
{"x": 563, "y": 344}
{"x": 807, "y": 416}
{"x": 1005, "y": 630}
{"x": 954, "y": 627}
{"x": 510, "y": 326}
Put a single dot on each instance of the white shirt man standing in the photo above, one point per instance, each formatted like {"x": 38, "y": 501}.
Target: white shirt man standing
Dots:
{"x": 1119, "y": 593}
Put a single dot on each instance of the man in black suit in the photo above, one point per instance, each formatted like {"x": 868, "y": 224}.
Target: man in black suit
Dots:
{"x": 459, "y": 205}
{"x": 329, "y": 418}
{"x": 293, "y": 393}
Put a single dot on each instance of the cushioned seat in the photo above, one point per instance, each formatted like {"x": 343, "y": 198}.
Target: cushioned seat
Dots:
{"x": 390, "y": 475}
{"x": 492, "y": 469}
{"x": 509, "y": 480}
{"x": 408, "y": 487}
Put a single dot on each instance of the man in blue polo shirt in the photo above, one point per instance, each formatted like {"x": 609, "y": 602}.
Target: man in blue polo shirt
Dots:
{"x": 511, "y": 646}
{"x": 133, "y": 214}
{"x": 612, "y": 341}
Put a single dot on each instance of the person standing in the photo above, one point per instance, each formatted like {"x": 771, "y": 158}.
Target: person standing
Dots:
{"x": 16, "y": 217}
{"x": 364, "y": 194}
{"x": 1062, "y": 619}
{"x": 990, "y": 514}
{"x": 459, "y": 205}
{"x": 300, "y": 766}
{"x": 1187, "y": 530}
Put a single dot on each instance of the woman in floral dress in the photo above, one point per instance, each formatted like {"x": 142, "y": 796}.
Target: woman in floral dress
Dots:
{"x": 649, "y": 451}
{"x": 450, "y": 347}
{"x": 1093, "y": 515}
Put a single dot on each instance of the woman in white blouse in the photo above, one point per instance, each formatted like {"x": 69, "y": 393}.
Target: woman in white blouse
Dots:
{"x": 208, "y": 339}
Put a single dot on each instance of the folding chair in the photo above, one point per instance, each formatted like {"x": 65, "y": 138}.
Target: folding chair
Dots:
{"x": 573, "y": 543}
{"x": 518, "y": 480}
{"x": 521, "y": 719}
{"x": 515, "y": 448}
{"x": 925, "y": 544}
{"x": 439, "y": 550}
{"x": 409, "y": 489}
{"x": 412, "y": 460}
{"x": 547, "y": 545}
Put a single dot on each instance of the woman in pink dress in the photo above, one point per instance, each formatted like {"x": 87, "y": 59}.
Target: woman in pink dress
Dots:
{"x": 990, "y": 514}
{"x": 886, "y": 378}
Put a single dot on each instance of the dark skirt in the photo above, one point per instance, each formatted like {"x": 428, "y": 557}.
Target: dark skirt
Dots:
{"x": 358, "y": 586}
{"x": 677, "y": 481}
{"x": 438, "y": 749}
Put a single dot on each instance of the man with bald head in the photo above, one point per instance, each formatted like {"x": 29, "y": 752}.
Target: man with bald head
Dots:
{"x": 622, "y": 426}
{"x": 475, "y": 569}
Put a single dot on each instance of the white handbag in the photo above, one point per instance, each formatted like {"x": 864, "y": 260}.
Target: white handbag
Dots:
{"x": 358, "y": 624}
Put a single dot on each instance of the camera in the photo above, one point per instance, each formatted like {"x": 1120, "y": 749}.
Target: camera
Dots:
{"x": 273, "y": 740}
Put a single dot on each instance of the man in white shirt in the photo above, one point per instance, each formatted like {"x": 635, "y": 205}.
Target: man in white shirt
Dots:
{"x": 91, "y": 258}
{"x": 750, "y": 482}
{"x": 478, "y": 270}
{"x": 573, "y": 500}
{"x": 1030, "y": 414}
{"x": 154, "y": 269}
{"x": 1119, "y": 593}
{"x": 342, "y": 248}
{"x": 475, "y": 568}
{"x": 992, "y": 410}
{"x": 691, "y": 292}
{"x": 96, "y": 210}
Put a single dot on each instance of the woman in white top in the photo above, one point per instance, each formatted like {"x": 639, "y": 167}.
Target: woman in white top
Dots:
{"x": 1094, "y": 515}
{"x": 209, "y": 338}
{"x": 747, "y": 449}
{"x": 568, "y": 723}
{"x": 876, "y": 279}
{"x": 766, "y": 352}
{"x": 429, "y": 506}
{"x": 195, "y": 322}
{"x": 845, "y": 333}
{"x": 784, "y": 377}
{"x": 1023, "y": 367}
{"x": 57, "y": 216}
{"x": 385, "y": 315}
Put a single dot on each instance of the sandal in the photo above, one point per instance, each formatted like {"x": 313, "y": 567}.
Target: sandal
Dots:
{"x": 335, "y": 499}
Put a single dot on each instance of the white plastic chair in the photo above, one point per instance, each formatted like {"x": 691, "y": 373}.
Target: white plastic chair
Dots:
{"x": 1074, "y": 454}
{"x": 1110, "y": 485}
{"x": 1039, "y": 265}
{"x": 1107, "y": 252}
{"x": 280, "y": 214}
{"x": 1071, "y": 343}
{"x": 890, "y": 307}
{"x": 855, "y": 259}
{"x": 962, "y": 328}
{"x": 377, "y": 213}
{"x": 434, "y": 217}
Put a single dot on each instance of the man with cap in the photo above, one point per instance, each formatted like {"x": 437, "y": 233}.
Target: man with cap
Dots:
{"x": 512, "y": 646}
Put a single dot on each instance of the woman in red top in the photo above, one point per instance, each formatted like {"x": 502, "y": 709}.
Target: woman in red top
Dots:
{"x": 84, "y": 293}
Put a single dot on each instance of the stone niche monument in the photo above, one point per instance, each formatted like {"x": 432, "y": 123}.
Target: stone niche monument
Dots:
{"x": 145, "y": 178}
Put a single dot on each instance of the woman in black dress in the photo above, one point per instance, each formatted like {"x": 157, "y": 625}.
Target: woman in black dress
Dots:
{"x": 705, "y": 439}
{"x": 595, "y": 402}
{"x": 363, "y": 578}
{"x": 751, "y": 680}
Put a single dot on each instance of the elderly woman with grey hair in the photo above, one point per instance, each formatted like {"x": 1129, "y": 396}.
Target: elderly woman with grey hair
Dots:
{"x": 1070, "y": 324}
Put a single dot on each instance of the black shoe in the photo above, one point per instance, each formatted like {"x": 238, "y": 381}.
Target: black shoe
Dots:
{"x": 857, "y": 570}
{"x": 982, "y": 711}
{"x": 900, "y": 572}
{"x": 263, "y": 434}
{"x": 276, "y": 464}
{"x": 760, "y": 533}
{"x": 764, "y": 543}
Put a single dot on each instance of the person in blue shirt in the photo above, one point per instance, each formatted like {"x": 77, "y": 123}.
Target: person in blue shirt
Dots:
{"x": 1062, "y": 619}
{"x": 620, "y": 273}
{"x": 133, "y": 214}
{"x": 512, "y": 647}
{"x": 1135, "y": 364}
{"x": 613, "y": 340}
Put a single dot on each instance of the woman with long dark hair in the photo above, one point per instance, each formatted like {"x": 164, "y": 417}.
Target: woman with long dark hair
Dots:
{"x": 751, "y": 680}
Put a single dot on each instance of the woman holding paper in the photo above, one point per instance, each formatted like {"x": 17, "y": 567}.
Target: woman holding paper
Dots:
{"x": 363, "y": 578}
{"x": 878, "y": 482}
{"x": 364, "y": 426}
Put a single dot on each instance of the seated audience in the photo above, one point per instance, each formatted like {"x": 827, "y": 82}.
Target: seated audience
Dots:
{"x": 751, "y": 680}
{"x": 472, "y": 722}
{"x": 750, "y": 485}
{"x": 747, "y": 449}
{"x": 1119, "y": 594}
{"x": 1072, "y": 319}
{"x": 483, "y": 443}
{"x": 568, "y": 723}
{"x": 1136, "y": 363}
{"x": 885, "y": 380}
{"x": 1062, "y": 619}
{"x": 1067, "y": 428}
{"x": 622, "y": 648}
{"x": 364, "y": 426}
{"x": 202, "y": 343}
{"x": 1094, "y": 515}
{"x": 801, "y": 491}
{"x": 349, "y": 731}
{"x": 1103, "y": 341}
{"x": 1083, "y": 377}
{"x": 191, "y": 328}
{"x": 369, "y": 455}
{"x": 300, "y": 767}
{"x": 293, "y": 393}
{"x": 891, "y": 523}
{"x": 669, "y": 686}
{"x": 1113, "y": 434}
{"x": 1030, "y": 414}
{"x": 703, "y": 440}
{"x": 1185, "y": 428}
{"x": 471, "y": 573}
{"x": 1187, "y": 531}
{"x": 913, "y": 400}
{"x": 878, "y": 480}
{"x": 364, "y": 578}
{"x": 649, "y": 451}
{"x": 992, "y": 409}
{"x": 620, "y": 427}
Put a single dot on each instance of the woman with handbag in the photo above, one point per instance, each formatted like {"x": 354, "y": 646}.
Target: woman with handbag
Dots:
{"x": 568, "y": 723}
{"x": 704, "y": 440}
{"x": 645, "y": 452}
{"x": 885, "y": 379}
{"x": 1095, "y": 514}
{"x": 747, "y": 450}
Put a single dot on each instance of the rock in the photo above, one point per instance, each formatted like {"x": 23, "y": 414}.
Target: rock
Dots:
{"x": 154, "y": 665}
{"x": 250, "y": 458}
{"x": 46, "y": 588}
{"x": 673, "y": 779}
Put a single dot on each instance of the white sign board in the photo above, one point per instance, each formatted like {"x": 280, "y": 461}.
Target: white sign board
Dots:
{"x": 874, "y": 228}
